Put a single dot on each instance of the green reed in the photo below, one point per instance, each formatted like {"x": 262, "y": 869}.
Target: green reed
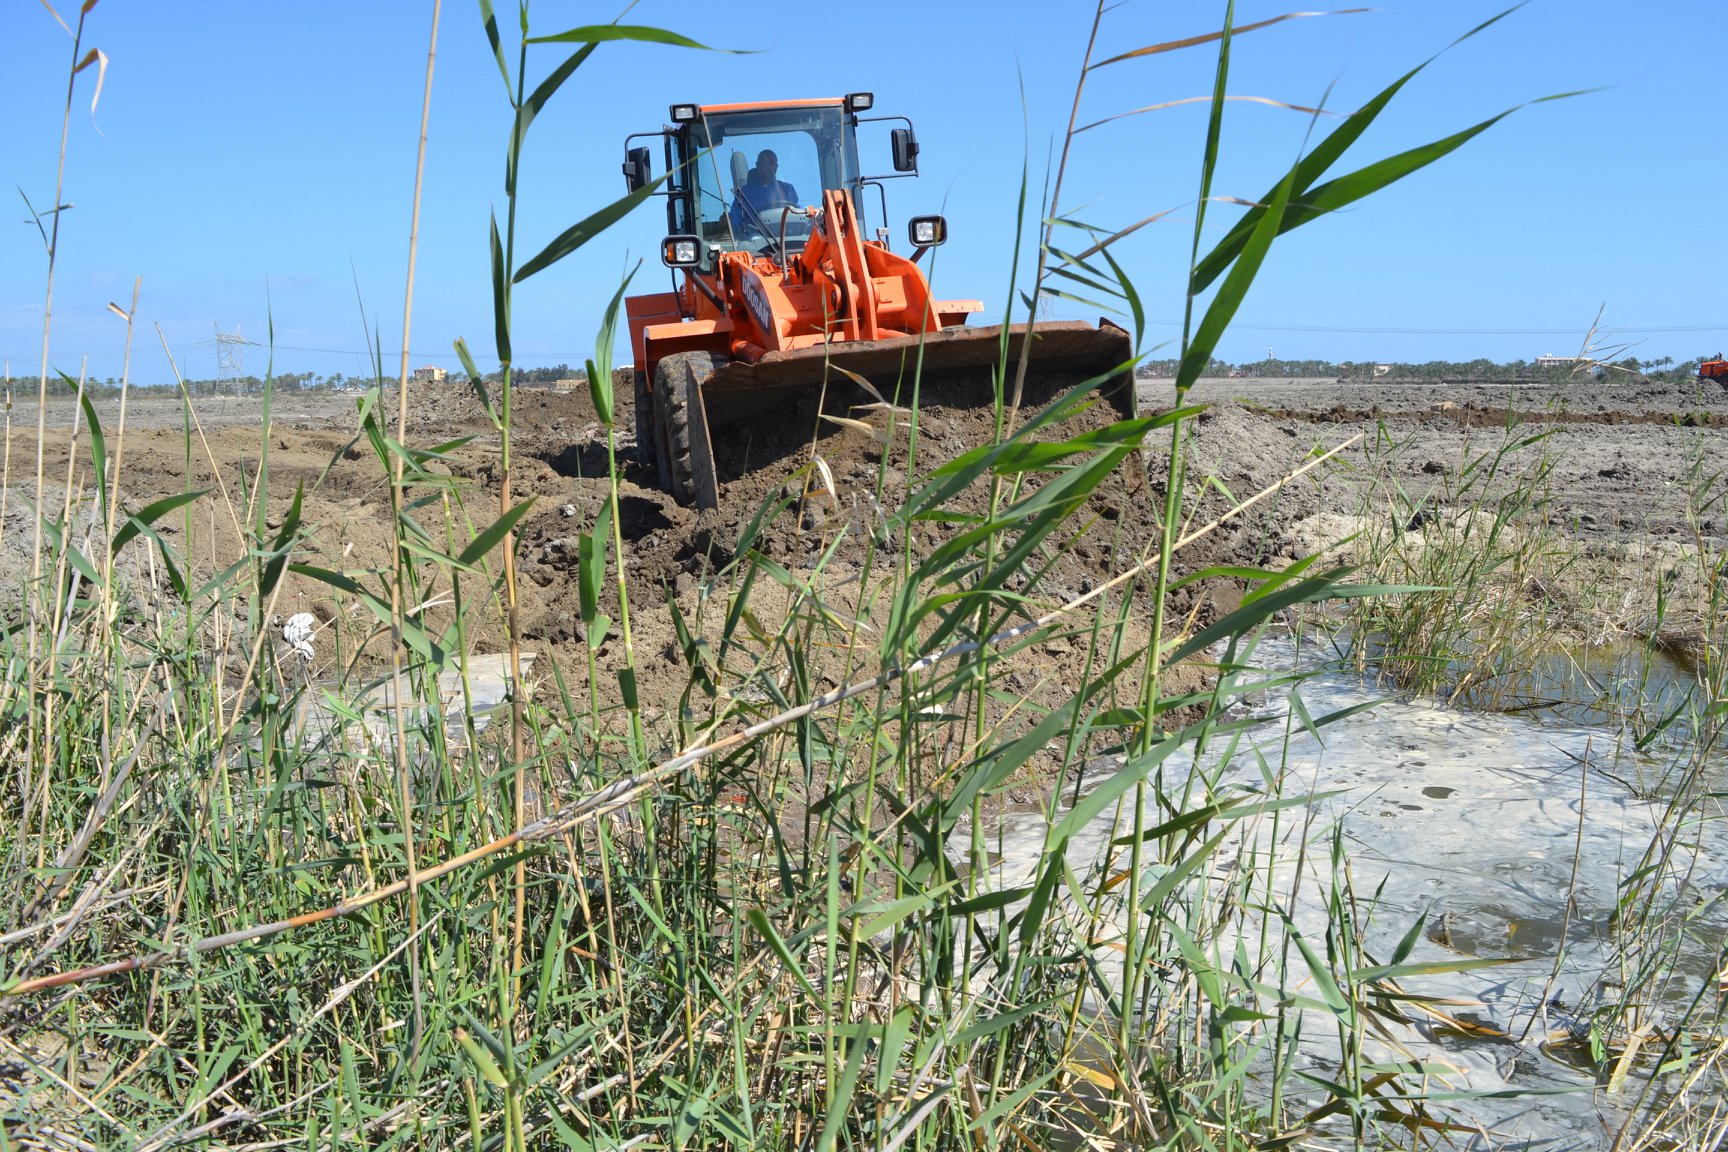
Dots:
{"x": 589, "y": 928}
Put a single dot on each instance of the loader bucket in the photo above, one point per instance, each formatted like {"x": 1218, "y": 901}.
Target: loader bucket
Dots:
{"x": 1068, "y": 347}
{"x": 715, "y": 418}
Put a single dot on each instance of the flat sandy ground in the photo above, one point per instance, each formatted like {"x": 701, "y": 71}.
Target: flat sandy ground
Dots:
{"x": 1621, "y": 453}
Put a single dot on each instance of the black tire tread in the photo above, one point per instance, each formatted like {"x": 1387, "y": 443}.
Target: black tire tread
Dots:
{"x": 647, "y": 448}
{"x": 687, "y": 450}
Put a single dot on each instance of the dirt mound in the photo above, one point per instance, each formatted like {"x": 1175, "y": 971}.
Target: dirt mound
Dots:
{"x": 764, "y": 469}
{"x": 838, "y": 540}
{"x": 1621, "y": 467}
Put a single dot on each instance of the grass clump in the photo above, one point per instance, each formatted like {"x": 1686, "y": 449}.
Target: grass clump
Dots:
{"x": 1484, "y": 565}
{"x": 1506, "y": 607}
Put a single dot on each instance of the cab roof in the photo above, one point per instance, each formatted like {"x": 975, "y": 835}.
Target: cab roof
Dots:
{"x": 764, "y": 105}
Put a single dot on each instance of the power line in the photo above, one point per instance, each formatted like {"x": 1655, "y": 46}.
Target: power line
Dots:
{"x": 1605, "y": 330}
{"x": 1359, "y": 330}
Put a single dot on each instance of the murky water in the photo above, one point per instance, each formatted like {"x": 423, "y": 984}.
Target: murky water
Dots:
{"x": 1638, "y": 690}
{"x": 1515, "y": 834}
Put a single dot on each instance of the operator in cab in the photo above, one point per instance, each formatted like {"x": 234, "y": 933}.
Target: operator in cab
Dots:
{"x": 764, "y": 189}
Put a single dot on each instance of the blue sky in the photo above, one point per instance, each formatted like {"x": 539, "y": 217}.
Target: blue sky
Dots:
{"x": 255, "y": 161}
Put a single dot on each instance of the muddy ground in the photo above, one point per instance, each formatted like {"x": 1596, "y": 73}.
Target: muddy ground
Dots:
{"x": 1621, "y": 456}
{"x": 1622, "y": 449}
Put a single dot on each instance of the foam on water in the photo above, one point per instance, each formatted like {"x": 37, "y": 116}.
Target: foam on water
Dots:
{"x": 1485, "y": 823}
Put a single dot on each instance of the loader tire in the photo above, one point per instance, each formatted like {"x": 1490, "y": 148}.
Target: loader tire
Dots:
{"x": 647, "y": 439}
{"x": 683, "y": 420}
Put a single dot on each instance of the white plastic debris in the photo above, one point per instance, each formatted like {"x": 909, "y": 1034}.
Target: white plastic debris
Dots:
{"x": 298, "y": 631}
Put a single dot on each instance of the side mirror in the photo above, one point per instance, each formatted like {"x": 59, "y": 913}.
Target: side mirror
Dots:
{"x": 636, "y": 174}
{"x": 905, "y": 150}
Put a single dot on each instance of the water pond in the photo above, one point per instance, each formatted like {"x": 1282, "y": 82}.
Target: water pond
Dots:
{"x": 1524, "y": 837}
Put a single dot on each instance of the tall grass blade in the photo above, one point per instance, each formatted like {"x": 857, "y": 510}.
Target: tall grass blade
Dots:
{"x": 585, "y": 230}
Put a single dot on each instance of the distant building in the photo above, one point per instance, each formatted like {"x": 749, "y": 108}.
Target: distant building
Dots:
{"x": 428, "y": 375}
{"x": 1552, "y": 361}
{"x": 1382, "y": 369}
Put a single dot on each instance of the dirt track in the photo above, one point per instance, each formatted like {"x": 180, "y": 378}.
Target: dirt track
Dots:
{"x": 1621, "y": 452}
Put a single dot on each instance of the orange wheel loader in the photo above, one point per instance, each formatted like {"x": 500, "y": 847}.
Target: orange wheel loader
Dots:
{"x": 776, "y": 282}
{"x": 1716, "y": 369}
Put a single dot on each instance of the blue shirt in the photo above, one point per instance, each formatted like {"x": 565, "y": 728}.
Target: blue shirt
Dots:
{"x": 761, "y": 196}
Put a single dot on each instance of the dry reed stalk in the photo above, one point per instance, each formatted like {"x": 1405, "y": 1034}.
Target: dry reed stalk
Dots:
{"x": 404, "y": 789}
{"x": 631, "y": 788}
{"x": 113, "y": 464}
{"x": 6, "y": 458}
{"x": 222, "y": 730}
{"x": 55, "y": 619}
{"x": 53, "y": 242}
{"x": 518, "y": 745}
{"x": 198, "y": 426}
{"x": 119, "y": 454}
{"x": 67, "y": 499}
{"x": 94, "y": 896}
{"x": 94, "y": 899}
{"x": 67, "y": 864}
{"x": 513, "y": 622}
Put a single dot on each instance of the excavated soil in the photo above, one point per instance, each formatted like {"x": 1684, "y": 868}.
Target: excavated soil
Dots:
{"x": 1622, "y": 453}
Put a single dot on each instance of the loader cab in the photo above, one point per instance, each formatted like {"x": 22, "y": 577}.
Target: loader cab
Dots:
{"x": 744, "y": 166}
{"x": 718, "y": 190}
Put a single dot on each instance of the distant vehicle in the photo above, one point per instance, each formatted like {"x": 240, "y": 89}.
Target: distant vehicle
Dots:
{"x": 1716, "y": 369}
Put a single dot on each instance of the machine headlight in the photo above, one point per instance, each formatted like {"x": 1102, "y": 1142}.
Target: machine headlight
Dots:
{"x": 681, "y": 251}
{"x": 928, "y": 231}
{"x": 860, "y": 101}
{"x": 683, "y": 113}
